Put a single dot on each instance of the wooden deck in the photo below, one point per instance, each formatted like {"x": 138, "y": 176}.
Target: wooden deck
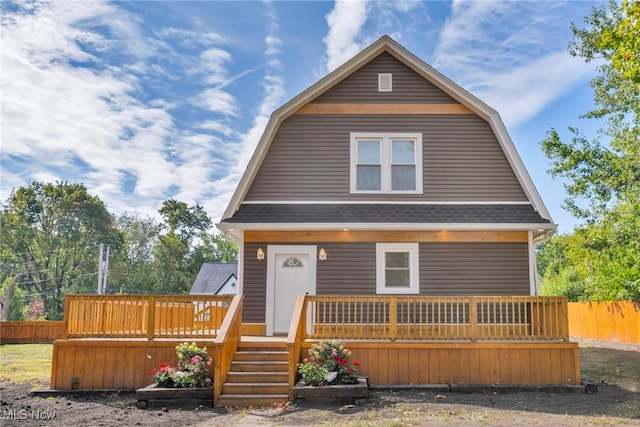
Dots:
{"x": 516, "y": 348}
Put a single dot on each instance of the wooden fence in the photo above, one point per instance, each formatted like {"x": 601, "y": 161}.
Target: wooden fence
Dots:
{"x": 614, "y": 321}
{"x": 30, "y": 332}
{"x": 436, "y": 318}
{"x": 144, "y": 316}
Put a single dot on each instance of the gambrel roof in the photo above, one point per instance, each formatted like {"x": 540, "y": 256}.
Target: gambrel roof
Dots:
{"x": 536, "y": 213}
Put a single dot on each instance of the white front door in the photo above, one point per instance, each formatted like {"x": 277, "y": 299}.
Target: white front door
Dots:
{"x": 291, "y": 271}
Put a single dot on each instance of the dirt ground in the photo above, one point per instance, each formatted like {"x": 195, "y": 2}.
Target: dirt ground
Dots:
{"x": 615, "y": 369}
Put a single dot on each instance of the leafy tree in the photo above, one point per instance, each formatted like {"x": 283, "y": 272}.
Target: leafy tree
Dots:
{"x": 133, "y": 269}
{"x": 177, "y": 255}
{"x": 219, "y": 249}
{"x": 185, "y": 222}
{"x": 49, "y": 236}
{"x": 601, "y": 259}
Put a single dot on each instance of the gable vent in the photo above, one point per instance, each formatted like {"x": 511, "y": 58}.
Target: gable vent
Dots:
{"x": 384, "y": 82}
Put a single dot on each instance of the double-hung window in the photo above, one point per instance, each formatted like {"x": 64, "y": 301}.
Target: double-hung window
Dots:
{"x": 386, "y": 163}
{"x": 397, "y": 268}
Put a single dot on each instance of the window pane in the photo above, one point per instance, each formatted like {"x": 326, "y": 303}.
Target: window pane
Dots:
{"x": 397, "y": 278}
{"x": 402, "y": 151}
{"x": 369, "y": 152}
{"x": 403, "y": 178}
{"x": 369, "y": 178}
{"x": 396, "y": 259}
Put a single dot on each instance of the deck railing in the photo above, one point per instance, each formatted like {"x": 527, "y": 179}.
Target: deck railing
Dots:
{"x": 226, "y": 345}
{"x": 144, "y": 316}
{"x": 481, "y": 318}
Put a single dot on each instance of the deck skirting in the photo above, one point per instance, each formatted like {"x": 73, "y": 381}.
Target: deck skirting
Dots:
{"x": 479, "y": 363}
{"x": 120, "y": 364}
{"x": 125, "y": 364}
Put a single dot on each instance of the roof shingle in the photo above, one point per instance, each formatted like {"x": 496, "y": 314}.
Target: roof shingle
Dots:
{"x": 387, "y": 213}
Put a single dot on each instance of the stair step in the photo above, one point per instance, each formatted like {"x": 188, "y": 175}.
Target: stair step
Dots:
{"x": 258, "y": 377}
{"x": 275, "y": 356}
{"x": 249, "y": 388}
{"x": 262, "y": 346}
{"x": 246, "y": 400}
{"x": 256, "y": 366}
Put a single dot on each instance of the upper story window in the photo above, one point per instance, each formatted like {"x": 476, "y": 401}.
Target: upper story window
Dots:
{"x": 386, "y": 162}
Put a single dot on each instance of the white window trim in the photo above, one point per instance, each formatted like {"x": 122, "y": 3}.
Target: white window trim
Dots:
{"x": 385, "y": 185}
{"x": 412, "y": 248}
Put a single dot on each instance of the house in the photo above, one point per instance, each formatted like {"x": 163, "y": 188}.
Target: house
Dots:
{"x": 383, "y": 178}
{"x": 385, "y": 207}
{"x": 216, "y": 278}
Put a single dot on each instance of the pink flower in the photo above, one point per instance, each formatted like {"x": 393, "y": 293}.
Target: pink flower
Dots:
{"x": 196, "y": 370}
{"x": 208, "y": 362}
{"x": 207, "y": 380}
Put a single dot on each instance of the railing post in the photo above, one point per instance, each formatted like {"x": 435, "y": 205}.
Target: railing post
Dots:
{"x": 65, "y": 317}
{"x": 473, "y": 319}
{"x": 393, "y": 318}
{"x": 151, "y": 315}
{"x": 563, "y": 308}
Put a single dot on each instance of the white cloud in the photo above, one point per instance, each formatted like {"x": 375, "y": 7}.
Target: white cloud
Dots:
{"x": 71, "y": 112}
{"x": 512, "y": 55}
{"x": 522, "y": 92}
{"x": 345, "y": 22}
{"x": 212, "y": 61}
{"x": 217, "y": 101}
{"x": 273, "y": 91}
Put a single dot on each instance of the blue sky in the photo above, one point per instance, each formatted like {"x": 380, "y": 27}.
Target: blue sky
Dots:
{"x": 149, "y": 100}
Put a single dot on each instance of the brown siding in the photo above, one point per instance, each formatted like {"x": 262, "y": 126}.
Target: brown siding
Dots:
{"x": 254, "y": 284}
{"x": 445, "y": 269}
{"x": 362, "y": 85}
{"x": 309, "y": 159}
{"x": 350, "y": 269}
{"x": 474, "y": 269}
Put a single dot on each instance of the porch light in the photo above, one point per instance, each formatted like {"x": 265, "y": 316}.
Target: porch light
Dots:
{"x": 260, "y": 254}
{"x": 322, "y": 254}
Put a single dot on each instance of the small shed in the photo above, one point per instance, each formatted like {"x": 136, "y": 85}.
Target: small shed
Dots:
{"x": 217, "y": 279}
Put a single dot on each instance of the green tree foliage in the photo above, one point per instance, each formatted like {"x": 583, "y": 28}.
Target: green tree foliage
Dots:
{"x": 49, "y": 237}
{"x": 600, "y": 260}
{"x": 132, "y": 271}
{"x": 218, "y": 249}
{"x": 177, "y": 255}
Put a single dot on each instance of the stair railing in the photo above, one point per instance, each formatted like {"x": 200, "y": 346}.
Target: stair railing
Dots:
{"x": 226, "y": 344}
{"x": 295, "y": 338}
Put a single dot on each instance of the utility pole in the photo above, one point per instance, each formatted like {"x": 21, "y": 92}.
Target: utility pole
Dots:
{"x": 101, "y": 256}
{"x": 103, "y": 269}
{"x": 106, "y": 271}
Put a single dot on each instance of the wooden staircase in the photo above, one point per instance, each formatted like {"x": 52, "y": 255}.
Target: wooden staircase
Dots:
{"x": 259, "y": 375}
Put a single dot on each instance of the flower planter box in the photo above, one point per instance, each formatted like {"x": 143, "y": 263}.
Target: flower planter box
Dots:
{"x": 153, "y": 396}
{"x": 332, "y": 394}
